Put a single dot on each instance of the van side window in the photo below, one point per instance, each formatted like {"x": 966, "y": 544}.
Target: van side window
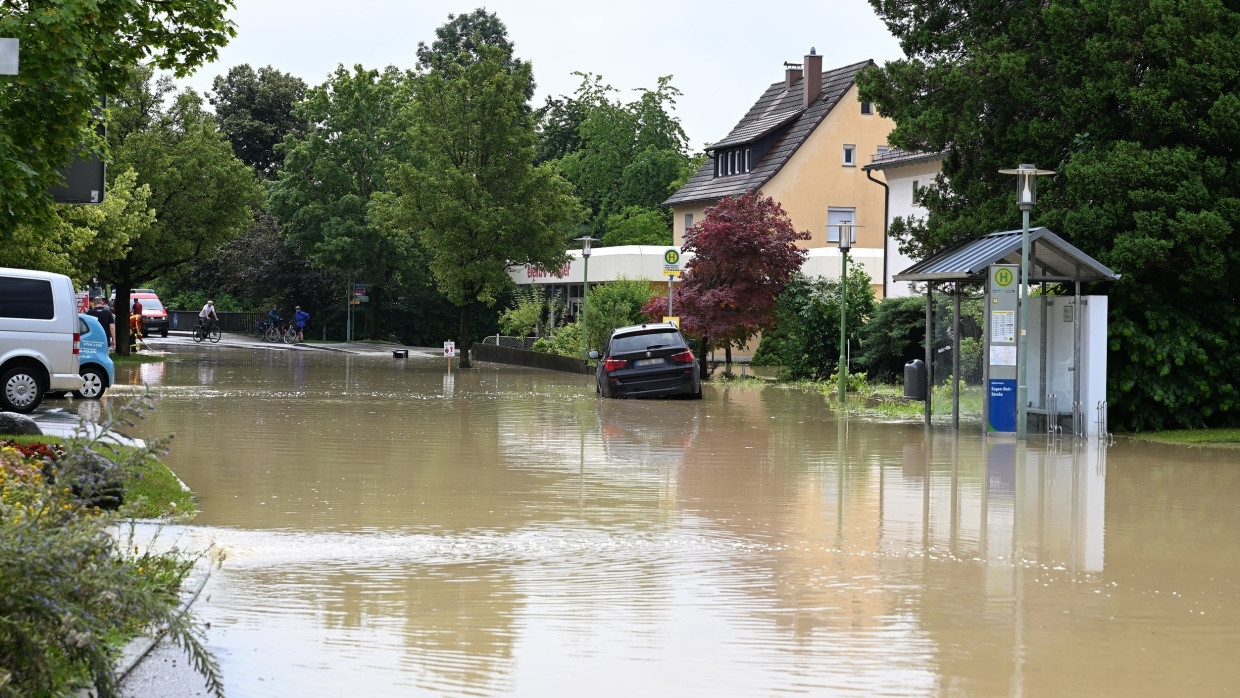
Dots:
{"x": 27, "y": 299}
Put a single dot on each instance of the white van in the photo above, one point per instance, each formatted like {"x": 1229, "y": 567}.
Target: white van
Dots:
{"x": 39, "y": 337}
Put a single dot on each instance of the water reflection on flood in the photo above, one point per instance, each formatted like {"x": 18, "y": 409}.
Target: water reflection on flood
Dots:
{"x": 391, "y": 531}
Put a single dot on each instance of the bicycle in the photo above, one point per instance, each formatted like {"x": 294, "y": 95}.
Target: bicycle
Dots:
{"x": 274, "y": 332}
{"x": 290, "y": 334}
{"x": 210, "y": 332}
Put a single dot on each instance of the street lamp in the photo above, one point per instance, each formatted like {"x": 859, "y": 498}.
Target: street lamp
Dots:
{"x": 585, "y": 289}
{"x": 1026, "y": 195}
{"x": 845, "y": 243}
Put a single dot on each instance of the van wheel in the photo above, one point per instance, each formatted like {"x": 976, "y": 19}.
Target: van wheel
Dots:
{"x": 163, "y": 332}
{"x": 93, "y": 385}
{"x": 20, "y": 390}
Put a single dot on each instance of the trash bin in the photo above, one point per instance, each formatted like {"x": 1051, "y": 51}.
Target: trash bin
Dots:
{"x": 915, "y": 380}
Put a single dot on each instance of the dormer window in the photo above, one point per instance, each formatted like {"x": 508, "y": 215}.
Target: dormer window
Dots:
{"x": 733, "y": 161}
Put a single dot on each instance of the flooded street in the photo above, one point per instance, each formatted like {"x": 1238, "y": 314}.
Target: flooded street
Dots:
{"x": 393, "y": 531}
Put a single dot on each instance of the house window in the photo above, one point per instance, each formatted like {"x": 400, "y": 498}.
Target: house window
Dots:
{"x": 688, "y": 221}
{"x": 836, "y": 216}
{"x": 916, "y": 191}
{"x": 746, "y": 159}
{"x": 867, "y": 107}
{"x": 718, "y": 164}
{"x": 882, "y": 149}
{"x": 850, "y": 156}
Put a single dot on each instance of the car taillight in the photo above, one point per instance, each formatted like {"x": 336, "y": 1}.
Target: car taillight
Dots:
{"x": 613, "y": 364}
{"x": 77, "y": 343}
{"x": 684, "y": 357}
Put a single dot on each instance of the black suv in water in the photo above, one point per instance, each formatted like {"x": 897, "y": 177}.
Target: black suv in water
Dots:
{"x": 651, "y": 360}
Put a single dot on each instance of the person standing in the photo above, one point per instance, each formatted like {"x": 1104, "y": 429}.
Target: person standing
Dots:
{"x": 105, "y": 317}
{"x": 135, "y": 319}
{"x": 301, "y": 318}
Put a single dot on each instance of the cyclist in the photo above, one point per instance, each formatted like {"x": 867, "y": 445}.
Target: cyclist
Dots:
{"x": 273, "y": 316}
{"x": 301, "y": 318}
{"x": 207, "y": 316}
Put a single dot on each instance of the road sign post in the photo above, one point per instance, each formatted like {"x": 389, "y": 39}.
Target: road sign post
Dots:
{"x": 671, "y": 269}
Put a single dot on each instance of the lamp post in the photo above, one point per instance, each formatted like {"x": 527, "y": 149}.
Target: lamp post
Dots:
{"x": 585, "y": 290}
{"x": 845, "y": 243}
{"x": 1026, "y": 195}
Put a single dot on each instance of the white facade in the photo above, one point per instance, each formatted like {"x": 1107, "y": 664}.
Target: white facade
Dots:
{"x": 904, "y": 175}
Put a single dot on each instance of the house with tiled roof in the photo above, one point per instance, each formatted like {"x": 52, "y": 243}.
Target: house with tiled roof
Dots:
{"x": 800, "y": 144}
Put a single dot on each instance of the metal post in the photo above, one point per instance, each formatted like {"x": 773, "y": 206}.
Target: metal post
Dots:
{"x": 1022, "y": 339}
{"x": 671, "y": 294}
{"x": 585, "y": 304}
{"x": 843, "y": 377}
{"x": 929, "y": 349}
{"x": 956, "y": 357}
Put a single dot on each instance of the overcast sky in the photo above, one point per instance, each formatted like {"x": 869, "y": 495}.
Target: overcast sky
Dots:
{"x": 722, "y": 54}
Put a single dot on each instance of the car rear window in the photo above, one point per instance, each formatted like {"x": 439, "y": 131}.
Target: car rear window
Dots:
{"x": 28, "y": 299}
{"x": 624, "y": 344}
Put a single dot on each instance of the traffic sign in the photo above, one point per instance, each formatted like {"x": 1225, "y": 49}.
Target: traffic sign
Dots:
{"x": 671, "y": 258}
{"x": 449, "y": 349}
{"x": 672, "y": 272}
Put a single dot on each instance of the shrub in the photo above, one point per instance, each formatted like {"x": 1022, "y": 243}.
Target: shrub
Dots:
{"x": 68, "y": 588}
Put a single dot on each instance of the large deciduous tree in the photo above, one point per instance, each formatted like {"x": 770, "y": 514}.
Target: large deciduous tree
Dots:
{"x": 255, "y": 113}
{"x": 71, "y": 53}
{"x": 357, "y": 135}
{"x": 1137, "y": 107}
{"x": 744, "y": 254}
{"x": 471, "y": 191}
{"x": 202, "y": 195}
{"x": 617, "y": 155}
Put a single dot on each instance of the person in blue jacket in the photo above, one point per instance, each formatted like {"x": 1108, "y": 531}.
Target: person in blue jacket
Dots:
{"x": 300, "y": 319}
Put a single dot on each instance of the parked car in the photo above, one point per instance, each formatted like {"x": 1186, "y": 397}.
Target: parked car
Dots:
{"x": 96, "y": 368}
{"x": 39, "y": 337}
{"x": 154, "y": 314}
{"x": 651, "y": 360}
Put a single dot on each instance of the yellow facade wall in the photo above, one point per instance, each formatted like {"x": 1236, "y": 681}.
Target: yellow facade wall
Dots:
{"x": 815, "y": 178}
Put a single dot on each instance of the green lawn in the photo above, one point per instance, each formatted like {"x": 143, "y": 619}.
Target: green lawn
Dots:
{"x": 1192, "y": 437}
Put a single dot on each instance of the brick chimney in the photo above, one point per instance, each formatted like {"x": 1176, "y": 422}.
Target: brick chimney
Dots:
{"x": 792, "y": 73}
{"x": 813, "y": 77}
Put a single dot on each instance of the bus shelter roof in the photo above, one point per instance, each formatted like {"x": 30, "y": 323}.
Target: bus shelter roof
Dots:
{"x": 1051, "y": 260}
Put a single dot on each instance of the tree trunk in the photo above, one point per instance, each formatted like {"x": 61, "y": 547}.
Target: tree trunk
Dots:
{"x": 462, "y": 342}
{"x": 727, "y": 358}
{"x": 703, "y": 371}
{"x": 121, "y": 311}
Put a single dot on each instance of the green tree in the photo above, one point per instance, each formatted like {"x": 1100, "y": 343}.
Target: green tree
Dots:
{"x": 255, "y": 113}
{"x": 471, "y": 192}
{"x": 73, "y": 52}
{"x": 615, "y": 304}
{"x": 637, "y": 226}
{"x": 357, "y": 135}
{"x": 81, "y": 238}
{"x": 616, "y": 154}
{"x": 201, "y": 194}
{"x": 1136, "y": 107}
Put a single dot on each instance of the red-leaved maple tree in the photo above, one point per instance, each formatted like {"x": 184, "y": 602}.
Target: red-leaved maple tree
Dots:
{"x": 744, "y": 253}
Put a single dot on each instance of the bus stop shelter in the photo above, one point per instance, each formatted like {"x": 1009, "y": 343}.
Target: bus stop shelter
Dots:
{"x": 1052, "y": 260}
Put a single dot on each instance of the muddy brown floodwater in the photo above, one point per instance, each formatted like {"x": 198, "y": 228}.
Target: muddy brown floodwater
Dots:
{"x": 393, "y": 531}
